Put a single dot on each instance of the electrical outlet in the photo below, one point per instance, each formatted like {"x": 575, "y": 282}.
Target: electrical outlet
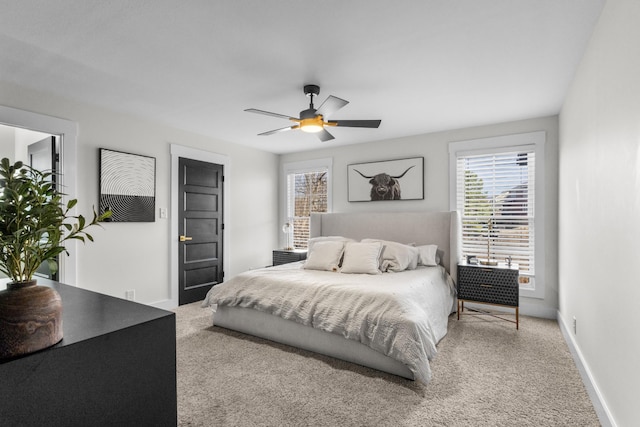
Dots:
{"x": 575, "y": 326}
{"x": 130, "y": 295}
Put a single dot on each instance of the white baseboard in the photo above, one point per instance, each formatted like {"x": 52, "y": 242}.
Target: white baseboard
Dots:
{"x": 166, "y": 304}
{"x": 537, "y": 311}
{"x": 604, "y": 415}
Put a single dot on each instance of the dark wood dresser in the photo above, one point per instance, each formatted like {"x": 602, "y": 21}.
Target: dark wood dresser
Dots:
{"x": 116, "y": 365}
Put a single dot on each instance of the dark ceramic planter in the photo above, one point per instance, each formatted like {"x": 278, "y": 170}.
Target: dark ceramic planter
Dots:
{"x": 30, "y": 319}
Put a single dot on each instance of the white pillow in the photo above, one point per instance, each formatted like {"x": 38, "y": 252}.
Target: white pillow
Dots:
{"x": 315, "y": 240}
{"x": 361, "y": 258}
{"x": 396, "y": 256}
{"x": 325, "y": 255}
{"x": 428, "y": 255}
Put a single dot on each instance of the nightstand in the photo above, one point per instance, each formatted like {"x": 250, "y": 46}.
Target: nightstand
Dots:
{"x": 282, "y": 256}
{"x": 489, "y": 285}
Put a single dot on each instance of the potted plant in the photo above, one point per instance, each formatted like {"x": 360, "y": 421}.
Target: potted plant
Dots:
{"x": 34, "y": 224}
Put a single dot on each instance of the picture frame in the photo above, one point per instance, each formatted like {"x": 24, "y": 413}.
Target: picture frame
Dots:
{"x": 386, "y": 180}
{"x": 127, "y": 186}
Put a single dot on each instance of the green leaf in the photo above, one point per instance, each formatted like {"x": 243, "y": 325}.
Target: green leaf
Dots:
{"x": 53, "y": 265}
{"x": 34, "y": 221}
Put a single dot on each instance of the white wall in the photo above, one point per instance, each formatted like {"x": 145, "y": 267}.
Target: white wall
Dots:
{"x": 136, "y": 255}
{"x": 7, "y": 142}
{"x": 600, "y": 209}
{"x": 15, "y": 141}
{"x": 24, "y": 138}
{"x": 435, "y": 150}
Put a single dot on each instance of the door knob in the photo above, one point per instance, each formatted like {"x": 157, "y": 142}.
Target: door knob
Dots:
{"x": 185, "y": 238}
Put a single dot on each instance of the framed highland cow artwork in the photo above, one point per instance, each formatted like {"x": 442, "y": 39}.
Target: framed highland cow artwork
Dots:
{"x": 401, "y": 179}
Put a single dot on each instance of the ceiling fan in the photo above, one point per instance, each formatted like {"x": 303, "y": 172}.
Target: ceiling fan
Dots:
{"x": 313, "y": 121}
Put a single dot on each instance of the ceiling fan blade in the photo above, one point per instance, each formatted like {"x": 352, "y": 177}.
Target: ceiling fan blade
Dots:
{"x": 271, "y": 132}
{"x": 268, "y": 113}
{"x": 356, "y": 123}
{"x": 324, "y": 135}
{"x": 331, "y": 105}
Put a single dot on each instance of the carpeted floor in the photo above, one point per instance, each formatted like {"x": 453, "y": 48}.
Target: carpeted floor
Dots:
{"x": 485, "y": 374}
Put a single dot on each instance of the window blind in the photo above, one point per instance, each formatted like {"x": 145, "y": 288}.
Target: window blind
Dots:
{"x": 495, "y": 196}
{"x": 306, "y": 193}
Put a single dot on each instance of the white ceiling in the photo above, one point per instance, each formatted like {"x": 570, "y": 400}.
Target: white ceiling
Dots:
{"x": 420, "y": 66}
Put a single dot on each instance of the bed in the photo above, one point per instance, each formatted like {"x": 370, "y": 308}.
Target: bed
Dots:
{"x": 267, "y": 302}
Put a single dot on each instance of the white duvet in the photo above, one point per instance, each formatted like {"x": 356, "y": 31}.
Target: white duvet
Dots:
{"x": 402, "y": 315}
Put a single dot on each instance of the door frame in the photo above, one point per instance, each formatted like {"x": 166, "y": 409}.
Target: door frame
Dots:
{"x": 68, "y": 132}
{"x": 178, "y": 151}
{"x": 47, "y": 148}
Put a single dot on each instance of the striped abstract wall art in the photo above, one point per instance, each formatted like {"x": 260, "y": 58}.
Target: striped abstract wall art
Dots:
{"x": 127, "y": 186}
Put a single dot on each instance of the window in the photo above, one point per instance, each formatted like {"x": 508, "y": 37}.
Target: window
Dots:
{"x": 495, "y": 197}
{"x": 495, "y": 183}
{"x": 307, "y": 190}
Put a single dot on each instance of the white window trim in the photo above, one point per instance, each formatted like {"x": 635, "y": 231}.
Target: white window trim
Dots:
{"x": 303, "y": 167}
{"x": 500, "y": 143}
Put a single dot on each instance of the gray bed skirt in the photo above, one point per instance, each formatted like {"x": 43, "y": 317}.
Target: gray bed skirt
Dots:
{"x": 274, "y": 328}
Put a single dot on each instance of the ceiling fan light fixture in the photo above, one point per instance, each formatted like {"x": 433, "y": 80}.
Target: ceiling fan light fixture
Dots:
{"x": 313, "y": 125}
{"x": 312, "y": 120}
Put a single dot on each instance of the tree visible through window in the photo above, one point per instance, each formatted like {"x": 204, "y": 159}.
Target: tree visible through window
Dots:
{"x": 307, "y": 192}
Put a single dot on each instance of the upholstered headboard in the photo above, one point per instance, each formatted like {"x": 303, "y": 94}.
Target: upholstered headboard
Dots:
{"x": 422, "y": 228}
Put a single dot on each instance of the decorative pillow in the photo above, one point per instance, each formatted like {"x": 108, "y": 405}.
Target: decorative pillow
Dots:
{"x": 325, "y": 255}
{"x": 362, "y": 258}
{"x": 396, "y": 256}
{"x": 428, "y": 255}
{"x": 314, "y": 240}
